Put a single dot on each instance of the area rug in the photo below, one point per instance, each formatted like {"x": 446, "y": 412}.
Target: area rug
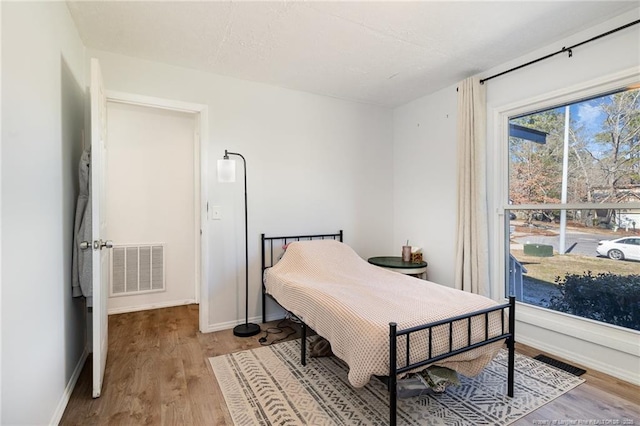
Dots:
{"x": 269, "y": 386}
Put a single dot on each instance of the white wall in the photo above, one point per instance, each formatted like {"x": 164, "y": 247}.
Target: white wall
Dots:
{"x": 1, "y": 216}
{"x": 425, "y": 180}
{"x": 315, "y": 164}
{"x": 1, "y": 316}
{"x": 151, "y": 195}
{"x": 43, "y": 89}
{"x": 424, "y": 187}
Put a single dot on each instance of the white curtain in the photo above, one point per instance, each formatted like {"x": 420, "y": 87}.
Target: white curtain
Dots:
{"x": 472, "y": 245}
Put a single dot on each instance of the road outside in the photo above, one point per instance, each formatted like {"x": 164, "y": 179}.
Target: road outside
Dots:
{"x": 576, "y": 242}
{"x": 538, "y": 284}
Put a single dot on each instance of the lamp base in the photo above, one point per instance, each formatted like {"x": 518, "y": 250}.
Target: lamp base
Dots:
{"x": 246, "y": 330}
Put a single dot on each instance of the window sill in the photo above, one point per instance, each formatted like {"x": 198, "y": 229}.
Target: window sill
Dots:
{"x": 610, "y": 336}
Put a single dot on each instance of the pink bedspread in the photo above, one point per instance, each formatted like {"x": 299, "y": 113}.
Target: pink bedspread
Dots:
{"x": 351, "y": 303}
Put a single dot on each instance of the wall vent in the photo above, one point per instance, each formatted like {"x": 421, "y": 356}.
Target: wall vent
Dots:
{"x": 137, "y": 269}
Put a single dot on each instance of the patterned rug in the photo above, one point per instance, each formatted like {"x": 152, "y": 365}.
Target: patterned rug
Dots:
{"x": 269, "y": 386}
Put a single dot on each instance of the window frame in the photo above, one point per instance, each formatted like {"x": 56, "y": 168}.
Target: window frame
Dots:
{"x": 607, "y": 335}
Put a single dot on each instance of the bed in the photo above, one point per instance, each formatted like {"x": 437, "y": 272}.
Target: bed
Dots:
{"x": 381, "y": 323}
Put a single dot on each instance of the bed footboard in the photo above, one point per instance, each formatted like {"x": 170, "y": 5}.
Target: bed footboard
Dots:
{"x": 507, "y": 335}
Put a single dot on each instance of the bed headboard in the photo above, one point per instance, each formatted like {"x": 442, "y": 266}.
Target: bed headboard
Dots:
{"x": 272, "y": 248}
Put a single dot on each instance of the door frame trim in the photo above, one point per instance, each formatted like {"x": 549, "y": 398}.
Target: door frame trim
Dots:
{"x": 200, "y": 174}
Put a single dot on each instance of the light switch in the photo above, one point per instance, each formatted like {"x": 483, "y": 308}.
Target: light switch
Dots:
{"x": 214, "y": 213}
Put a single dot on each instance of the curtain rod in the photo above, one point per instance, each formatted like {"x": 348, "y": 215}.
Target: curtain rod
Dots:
{"x": 564, "y": 49}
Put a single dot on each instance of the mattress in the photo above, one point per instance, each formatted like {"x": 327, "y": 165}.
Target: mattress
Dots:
{"x": 351, "y": 303}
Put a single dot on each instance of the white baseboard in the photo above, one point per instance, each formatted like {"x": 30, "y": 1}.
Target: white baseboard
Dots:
{"x": 606, "y": 368}
{"x": 149, "y": 306}
{"x": 230, "y": 324}
{"x": 68, "y": 390}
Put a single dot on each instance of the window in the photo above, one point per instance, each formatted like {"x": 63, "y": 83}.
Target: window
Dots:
{"x": 573, "y": 215}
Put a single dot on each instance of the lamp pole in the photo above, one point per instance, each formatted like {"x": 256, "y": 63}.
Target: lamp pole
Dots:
{"x": 247, "y": 329}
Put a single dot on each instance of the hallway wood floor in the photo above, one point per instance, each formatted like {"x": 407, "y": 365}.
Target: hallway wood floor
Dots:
{"x": 158, "y": 373}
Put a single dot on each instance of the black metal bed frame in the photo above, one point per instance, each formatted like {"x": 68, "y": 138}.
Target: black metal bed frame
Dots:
{"x": 395, "y": 333}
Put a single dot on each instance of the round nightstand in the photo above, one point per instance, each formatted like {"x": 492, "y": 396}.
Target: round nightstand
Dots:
{"x": 395, "y": 263}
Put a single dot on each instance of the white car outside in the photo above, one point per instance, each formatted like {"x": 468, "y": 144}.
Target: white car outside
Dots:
{"x": 622, "y": 248}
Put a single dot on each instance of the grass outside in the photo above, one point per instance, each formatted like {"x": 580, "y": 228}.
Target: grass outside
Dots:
{"x": 549, "y": 268}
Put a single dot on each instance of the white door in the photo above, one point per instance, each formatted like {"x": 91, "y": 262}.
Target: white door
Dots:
{"x": 100, "y": 259}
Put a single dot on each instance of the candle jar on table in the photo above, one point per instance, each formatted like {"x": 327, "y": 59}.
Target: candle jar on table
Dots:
{"x": 406, "y": 253}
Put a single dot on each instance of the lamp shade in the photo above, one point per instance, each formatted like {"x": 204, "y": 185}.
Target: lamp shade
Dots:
{"x": 226, "y": 171}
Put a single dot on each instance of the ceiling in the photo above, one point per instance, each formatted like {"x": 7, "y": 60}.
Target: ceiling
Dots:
{"x": 378, "y": 52}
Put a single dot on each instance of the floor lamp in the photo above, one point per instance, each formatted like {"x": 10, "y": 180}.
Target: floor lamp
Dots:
{"x": 227, "y": 173}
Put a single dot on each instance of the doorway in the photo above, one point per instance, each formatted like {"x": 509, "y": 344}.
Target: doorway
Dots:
{"x": 155, "y": 202}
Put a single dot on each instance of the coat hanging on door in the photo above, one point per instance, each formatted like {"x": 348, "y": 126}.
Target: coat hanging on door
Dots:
{"x": 81, "y": 268}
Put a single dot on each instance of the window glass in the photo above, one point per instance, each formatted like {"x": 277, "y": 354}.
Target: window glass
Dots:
{"x": 585, "y": 261}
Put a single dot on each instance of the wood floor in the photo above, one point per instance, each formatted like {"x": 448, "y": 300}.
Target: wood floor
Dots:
{"x": 158, "y": 373}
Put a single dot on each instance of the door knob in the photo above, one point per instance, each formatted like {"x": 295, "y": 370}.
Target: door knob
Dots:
{"x": 85, "y": 245}
{"x": 100, "y": 244}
